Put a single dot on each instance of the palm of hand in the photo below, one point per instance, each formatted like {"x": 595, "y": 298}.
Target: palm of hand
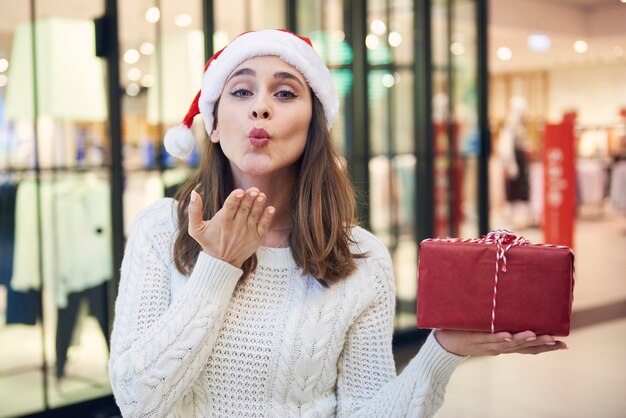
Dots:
{"x": 470, "y": 343}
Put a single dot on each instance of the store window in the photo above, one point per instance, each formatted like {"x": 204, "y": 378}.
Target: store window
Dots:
{"x": 233, "y": 17}
{"x": 56, "y": 257}
{"x": 323, "y": 21}
{"x": 161, "y": 61}
{"x": 389, "y": 43}
{"x": 455, "y": 119}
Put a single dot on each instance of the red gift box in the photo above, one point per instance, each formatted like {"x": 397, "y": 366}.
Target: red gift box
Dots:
{"x": 498, "y": 283}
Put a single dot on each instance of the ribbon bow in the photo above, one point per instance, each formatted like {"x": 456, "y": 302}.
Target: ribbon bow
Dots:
{"x": 504, "y": 241}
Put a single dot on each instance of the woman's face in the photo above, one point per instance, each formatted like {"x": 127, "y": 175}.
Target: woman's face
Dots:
{"x": 263, "y": 116}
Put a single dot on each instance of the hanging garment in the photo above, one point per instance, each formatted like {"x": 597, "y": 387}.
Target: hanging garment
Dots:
{"x": 67, "y": 317}
{"x": 591, "y": 177}
{"x": 8, "y": 193}
{"x": 21, "y": 307}
{"x": 75, "y": 236}
{"x": 618, "y": 187}
{"x": 517, "y": 188}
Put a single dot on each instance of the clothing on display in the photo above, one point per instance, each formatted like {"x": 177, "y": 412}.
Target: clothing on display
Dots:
{"x": 512, "y": 149}
{"x": 592, "y": 178}
{"x": 75, "y": 235}
{"x": 618, "y": 187}
{"x": 21, "y": 307}
{"x": 8, "y": 193}
{"x": 515, "y": 163}
{"x": 67, "y": 318}
{"x": 517, "y": 188}
{"x": 76, "y": 263}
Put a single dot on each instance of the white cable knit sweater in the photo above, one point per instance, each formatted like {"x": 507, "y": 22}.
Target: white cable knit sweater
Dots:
{"x": 275, "y": 345}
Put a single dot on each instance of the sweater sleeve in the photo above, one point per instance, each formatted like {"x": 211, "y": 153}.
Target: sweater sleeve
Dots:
{"x": 160, "y": 346}
{"x": 367, "y": 384}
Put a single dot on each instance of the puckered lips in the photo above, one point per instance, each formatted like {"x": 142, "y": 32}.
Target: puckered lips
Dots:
{"x": 258, "y": 137}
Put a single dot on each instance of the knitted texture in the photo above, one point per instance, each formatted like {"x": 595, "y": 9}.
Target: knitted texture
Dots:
{"x": 277, "y": 344}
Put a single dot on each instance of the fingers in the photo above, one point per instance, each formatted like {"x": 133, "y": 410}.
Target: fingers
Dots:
{"x": 266, "y": 220}
{"x": 195, "y": 213}
{"x": 538, "y": 349}
{"x": 256, "y": 211}
{"x": 526, "y": 342}
{"x": 246, "y": 204}
{"x": 232, "y": 203}
{"x": 525, "y": 336}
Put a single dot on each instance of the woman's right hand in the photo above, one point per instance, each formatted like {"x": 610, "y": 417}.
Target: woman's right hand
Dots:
{"x": 236, "y": 230}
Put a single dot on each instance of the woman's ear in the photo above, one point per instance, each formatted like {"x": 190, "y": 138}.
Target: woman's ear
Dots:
{"x": 215, "y": 136}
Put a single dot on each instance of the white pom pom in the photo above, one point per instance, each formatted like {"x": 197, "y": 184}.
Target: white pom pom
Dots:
{"x": 179, "y": 141}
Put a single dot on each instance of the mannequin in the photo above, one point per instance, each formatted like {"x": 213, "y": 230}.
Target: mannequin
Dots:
{"x": 513, "y": 153}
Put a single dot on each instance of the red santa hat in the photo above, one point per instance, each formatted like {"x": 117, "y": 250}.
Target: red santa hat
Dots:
{"x": 293, "y": 49}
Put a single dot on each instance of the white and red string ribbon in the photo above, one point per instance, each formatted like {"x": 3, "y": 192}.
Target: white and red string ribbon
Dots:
{"x": 504, "y": 240}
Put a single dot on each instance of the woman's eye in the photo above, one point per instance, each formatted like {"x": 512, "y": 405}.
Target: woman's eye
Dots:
{"x": 242, "y": 93}
{"x": 285, "y": 94}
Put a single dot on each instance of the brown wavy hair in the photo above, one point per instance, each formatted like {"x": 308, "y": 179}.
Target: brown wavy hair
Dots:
{"x": 323, "y": 206}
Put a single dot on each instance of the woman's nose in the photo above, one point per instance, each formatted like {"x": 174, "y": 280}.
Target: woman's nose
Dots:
{"x": 260, "y": 109}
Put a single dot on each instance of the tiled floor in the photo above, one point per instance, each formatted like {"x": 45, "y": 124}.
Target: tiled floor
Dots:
{"x": 588, "y": 379}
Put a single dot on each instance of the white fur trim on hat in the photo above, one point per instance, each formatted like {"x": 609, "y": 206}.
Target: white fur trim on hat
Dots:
{"x": 284, "y": 45}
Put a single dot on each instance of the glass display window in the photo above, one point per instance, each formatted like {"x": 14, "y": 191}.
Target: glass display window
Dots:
{"x": 54, "y": 204}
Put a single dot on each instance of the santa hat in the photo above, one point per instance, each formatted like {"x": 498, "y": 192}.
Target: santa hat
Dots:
{"x": 293, "y": 49}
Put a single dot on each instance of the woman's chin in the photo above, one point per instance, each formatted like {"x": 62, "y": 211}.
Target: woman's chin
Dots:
{"x": 256, "y": 167}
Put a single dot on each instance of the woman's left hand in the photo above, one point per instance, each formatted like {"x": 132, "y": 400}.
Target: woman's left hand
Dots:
{"x": 471, "y": 343}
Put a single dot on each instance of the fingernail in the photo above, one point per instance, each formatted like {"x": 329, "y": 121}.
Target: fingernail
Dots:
{"x": 531, "y": 338}
{"x": 239, "y": 196}
{"x": 260, "y": 199}
{"x": 194, "y": 196}
{"x": 253, "y": 194}
{"x": 550, "y": 343}
{"x": 508, "y": 340}
{"x": 271, "y": 210}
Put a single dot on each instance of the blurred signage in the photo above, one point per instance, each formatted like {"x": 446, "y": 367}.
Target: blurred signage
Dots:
{"x": 559, "y": 183}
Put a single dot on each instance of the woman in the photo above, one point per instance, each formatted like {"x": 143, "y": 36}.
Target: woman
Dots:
{"x": 255, "y": 294}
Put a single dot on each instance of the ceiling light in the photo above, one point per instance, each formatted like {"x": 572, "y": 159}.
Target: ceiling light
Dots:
{"x": 147, "y": 48}
{"x": 580, "y": 47}
{"x": 388, "y": 80}
{"x": 153, "y": 14}
{"x": 504, "y": 53}
{"x": 395, "y": 39}
{"x": 457, "y": 48}
{"x": 378, "y": 27}
{"x": 147, "y": 80}
{"x": 4, "y": 65}
{"x": 133, "y": 74}
{"x": 131, "y": 56}
{"x": 183, "y": 21}
{"x": 3, "y": 80}
{"x": 133, "y": 89}
{"x": 539, "y": 43}
{"x": 371, "y": 41}
{"x": 338, "y": 35}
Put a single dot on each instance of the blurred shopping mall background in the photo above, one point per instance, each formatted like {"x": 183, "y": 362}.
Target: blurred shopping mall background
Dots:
{"x": 451, "y": 114}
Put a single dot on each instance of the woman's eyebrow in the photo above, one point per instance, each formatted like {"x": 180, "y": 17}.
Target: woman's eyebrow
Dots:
{"x": 277, "y": 75}
{"x": 242, "y": 71}
{"x": 287, "y": 75}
